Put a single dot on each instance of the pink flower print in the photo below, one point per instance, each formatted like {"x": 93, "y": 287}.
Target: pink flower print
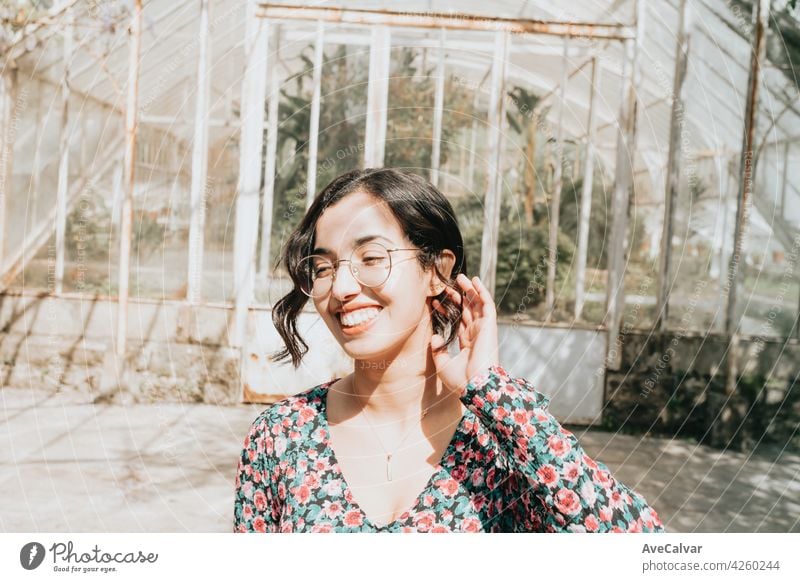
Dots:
{"x": 567, "y": 502}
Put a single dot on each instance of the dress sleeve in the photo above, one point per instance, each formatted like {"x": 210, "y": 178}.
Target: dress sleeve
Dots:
{"x": 255, "y": 507}
{"x": 577, "y": 493}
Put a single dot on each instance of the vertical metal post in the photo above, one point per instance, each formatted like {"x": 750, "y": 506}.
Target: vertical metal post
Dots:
{"x": 8, "y": 97}
{"x": 6, "y": 150}
{"x": 586, "y": 197}
{"x": 746, "y": 179}
{"x": 36, "y": 178}
{"x": 623, "y": 183}
{"x": 247, "y": 200}
{"x": 576, "y": 162}
{"x": 377, "y": 97}
{"x": 797, "y": 316}
{"x": 473, "y": 143}
{"x": 555, "y": 201}
{"x": 438, "y": 110}
{"x": 63, "y": 156}
{"x": 491, "y": 226}
{"x": 126, "y": 216}
{"x": 199, "y": 164}
{"x": 462, "y": 157}
{"x": 674, "y": 160}
{"x": 724, "y": 185}
{"x": 118, "y": 193}
{"x": 784, "y": 181}
{"x": 84, "y": 143}
{"x": 271, "y": 163}
{"x": 313, "y": 132}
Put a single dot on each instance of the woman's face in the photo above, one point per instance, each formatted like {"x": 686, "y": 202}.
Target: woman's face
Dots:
{"x": 402, "y": 324}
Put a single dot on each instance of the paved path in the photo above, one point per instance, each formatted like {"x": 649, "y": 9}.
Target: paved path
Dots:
{"x": 68, "y": 465}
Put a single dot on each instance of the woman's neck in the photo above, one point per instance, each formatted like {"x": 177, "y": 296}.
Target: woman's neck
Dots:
{"x": 395, "y": 388}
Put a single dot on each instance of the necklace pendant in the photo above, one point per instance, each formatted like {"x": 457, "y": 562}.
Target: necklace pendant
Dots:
{"x": 388, "y": 467}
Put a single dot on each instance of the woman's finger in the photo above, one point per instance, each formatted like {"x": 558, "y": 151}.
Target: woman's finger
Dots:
{"x": 454, "y": 295}
{"x": 437, "y": 305}
{"x": 487, "y": 303}
{"x": 466, "y": 317}
{"x": 470, "y": 293}
{"x": 464, "y": 339}
{"x": 464, "y": 282}
{"x": 475, "y": 302}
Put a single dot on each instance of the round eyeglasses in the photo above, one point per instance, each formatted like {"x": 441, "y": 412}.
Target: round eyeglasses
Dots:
{"x": 370, "y": 264}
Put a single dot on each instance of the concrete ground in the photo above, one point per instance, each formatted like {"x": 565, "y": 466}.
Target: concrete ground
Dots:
{"x": 72, "y": 466}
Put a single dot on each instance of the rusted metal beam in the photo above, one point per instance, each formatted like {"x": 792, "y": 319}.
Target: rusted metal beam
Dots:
{"x": 126, "y": 225}
{"x": 674, "y": 159}
{"x": 745, "y": 189}
{"x": 452, "y": 21}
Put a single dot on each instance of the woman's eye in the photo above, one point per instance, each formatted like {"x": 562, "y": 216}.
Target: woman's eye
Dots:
{"x": 372, "y": 260}
{"x": 322, "y": 271}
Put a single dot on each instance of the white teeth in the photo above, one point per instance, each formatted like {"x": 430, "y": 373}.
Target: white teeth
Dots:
{"x": 358, "y": 316}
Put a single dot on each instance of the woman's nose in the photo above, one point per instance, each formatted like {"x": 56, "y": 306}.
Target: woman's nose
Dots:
{"x": 344, "y": 283}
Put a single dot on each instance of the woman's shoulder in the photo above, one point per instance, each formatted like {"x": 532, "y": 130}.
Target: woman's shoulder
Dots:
{"x": 287, "y": 417}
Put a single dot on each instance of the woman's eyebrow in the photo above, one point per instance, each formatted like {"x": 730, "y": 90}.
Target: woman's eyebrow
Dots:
{"x": 359, "y": 241}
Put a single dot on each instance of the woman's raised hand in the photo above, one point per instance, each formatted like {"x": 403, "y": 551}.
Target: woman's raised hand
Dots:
{"x": 477, "y": 335}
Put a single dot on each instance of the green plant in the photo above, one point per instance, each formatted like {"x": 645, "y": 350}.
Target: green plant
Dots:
{"x": 526, "y": 122}
{"x": 521, "y": 272}
{"x": 342, "y": 125}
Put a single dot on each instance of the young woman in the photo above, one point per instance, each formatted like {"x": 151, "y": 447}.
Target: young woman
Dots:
{"x": 413, "y": 439}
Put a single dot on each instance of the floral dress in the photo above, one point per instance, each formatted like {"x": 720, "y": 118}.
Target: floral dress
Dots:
{"x": 510, "y": 467}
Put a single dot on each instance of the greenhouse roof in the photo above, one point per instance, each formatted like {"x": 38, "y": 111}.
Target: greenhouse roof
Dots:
{"x": 715, "y": 89}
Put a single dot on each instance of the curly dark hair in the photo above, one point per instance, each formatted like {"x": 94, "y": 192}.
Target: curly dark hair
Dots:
{"x": 426, "y": 217}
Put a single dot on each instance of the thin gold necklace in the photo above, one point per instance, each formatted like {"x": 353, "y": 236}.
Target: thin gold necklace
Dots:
{"x": 405, "y": 436}
{"x": 389, "y": 455}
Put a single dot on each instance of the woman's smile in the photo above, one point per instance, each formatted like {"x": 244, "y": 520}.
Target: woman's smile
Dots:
{"x": 356, "y": 322}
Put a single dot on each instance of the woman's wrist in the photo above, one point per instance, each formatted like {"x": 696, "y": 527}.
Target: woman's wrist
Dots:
{"x": 480, "y": 378}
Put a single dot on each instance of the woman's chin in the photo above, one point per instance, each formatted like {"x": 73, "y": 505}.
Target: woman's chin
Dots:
{"x": 369, "y": 352}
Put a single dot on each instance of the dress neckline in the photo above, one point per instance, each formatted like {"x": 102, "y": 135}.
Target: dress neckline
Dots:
{"x": 348, "y": 492}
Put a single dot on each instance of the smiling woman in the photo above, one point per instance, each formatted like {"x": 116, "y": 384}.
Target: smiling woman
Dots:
{"x": 413, "y": 439}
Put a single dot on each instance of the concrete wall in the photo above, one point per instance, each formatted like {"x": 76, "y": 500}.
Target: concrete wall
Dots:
{"x": 564, "y": 363}
{"x": 181, "y": 352}
{"x": 670, "y": 385}
{"x": 675, "y": 386}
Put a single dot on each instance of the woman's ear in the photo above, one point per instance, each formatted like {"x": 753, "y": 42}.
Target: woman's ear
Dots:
{"x": 444, "y": 264}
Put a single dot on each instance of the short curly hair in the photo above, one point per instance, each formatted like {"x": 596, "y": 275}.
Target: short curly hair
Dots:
{"x": 426, "y": 217}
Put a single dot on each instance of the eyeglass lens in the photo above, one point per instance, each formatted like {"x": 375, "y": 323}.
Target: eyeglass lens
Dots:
{"x": 369, "y": 263}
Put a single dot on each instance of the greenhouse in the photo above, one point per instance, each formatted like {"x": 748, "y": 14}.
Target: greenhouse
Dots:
{"x": 625, "y": 174}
